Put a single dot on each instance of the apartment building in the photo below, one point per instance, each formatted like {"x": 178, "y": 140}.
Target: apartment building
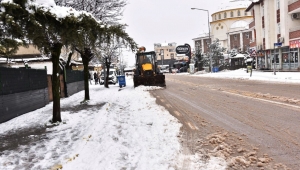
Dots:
{"x": 165, "y": 52}
{"x": 276, "y": 33}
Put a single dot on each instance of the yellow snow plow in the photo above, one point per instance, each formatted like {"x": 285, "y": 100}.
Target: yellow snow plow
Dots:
{"x": 146, "y": 72}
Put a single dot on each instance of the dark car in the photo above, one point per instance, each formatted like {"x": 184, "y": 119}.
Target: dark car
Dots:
{"x": 182, "y": 69}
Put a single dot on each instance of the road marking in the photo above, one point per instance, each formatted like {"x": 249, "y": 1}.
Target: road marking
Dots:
{"x": 274, "y": 102}
{"x": 177, "y": 113}
{"x": 192, "y": 127}
{"x": 168, "y": 105}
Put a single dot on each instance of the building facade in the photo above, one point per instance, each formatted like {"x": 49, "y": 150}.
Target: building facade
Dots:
{"x": 227, "y": 22}
{"x": 267, "y": 29}
{"x": 165, "y": 52}
{"x": 276, "y": 33}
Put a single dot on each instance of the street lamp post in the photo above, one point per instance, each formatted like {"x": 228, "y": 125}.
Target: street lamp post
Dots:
{"x": 210, "y": 59}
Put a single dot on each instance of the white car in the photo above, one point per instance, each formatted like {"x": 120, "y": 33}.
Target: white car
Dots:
{"x": 112, "y": 78}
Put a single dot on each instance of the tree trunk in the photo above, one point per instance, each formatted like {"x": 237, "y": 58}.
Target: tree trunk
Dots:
{"x": 106, "y": 77}
{"x": 107, "y": 63}
{"x": 86, "y": 56}
{"x": 55, "y": 53}
{"x": 86, "y": 78}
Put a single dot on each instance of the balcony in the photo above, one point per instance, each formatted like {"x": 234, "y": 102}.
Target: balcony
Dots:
{"x": 293, "y": 5}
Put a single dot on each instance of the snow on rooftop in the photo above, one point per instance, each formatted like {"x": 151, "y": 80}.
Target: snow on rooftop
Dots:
{"x": 240, "y": 24}
{"x": 233, "y": 4}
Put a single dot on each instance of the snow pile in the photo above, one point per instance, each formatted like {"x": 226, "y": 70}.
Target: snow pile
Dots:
{"x": 241, "y": 74}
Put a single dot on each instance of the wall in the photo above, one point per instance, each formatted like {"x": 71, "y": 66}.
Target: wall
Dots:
{"x": 21, "y": 91}
{"x": 24, "y": 90}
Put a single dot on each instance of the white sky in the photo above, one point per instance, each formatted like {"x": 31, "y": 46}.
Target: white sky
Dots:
{"x": 165, "y": 21}
{"x": 129, "y": 131}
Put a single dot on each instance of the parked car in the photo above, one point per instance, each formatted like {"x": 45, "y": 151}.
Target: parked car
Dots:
{"x": 112, "y": 78}
{"x": 182, "y": 69}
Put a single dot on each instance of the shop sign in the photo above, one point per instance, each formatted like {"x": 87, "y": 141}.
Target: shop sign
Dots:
{"x": 183, "y": 49}
{"x": 295, "y": 44}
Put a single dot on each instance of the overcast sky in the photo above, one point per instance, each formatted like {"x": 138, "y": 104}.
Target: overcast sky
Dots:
{"x": 165, "y": 21}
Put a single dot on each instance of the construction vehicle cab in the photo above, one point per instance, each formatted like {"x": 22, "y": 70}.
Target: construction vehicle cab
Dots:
{"x": 147, "y": 72}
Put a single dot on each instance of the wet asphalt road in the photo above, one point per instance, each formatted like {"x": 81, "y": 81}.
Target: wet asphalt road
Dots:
{"x": 260, "y": 115}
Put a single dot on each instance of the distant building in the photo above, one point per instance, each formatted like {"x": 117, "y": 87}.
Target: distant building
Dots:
{"x": 276, "y": 21}
{"x": 165, "y": 52}
{"x": 230, "y": 25}
{"x": 267, "y": 29}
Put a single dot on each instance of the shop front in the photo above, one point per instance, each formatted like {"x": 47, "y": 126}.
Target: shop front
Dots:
{"x": 261, "y": 61}
{"x": 283, "y": 58}
{"x": 293, "y": 56}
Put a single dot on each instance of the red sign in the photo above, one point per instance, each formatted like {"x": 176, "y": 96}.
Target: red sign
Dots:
{"x": 295, "y": 44}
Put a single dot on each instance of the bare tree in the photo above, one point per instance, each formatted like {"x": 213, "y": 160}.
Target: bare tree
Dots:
{"x": 108, "y": 54}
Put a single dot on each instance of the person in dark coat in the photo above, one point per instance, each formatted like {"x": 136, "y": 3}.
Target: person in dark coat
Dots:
{"x": 96, "y": 78}
{"x": 90, "y": 78}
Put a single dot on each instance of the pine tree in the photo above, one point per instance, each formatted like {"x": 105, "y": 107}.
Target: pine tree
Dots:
{"x": 11, "y": 32}
{"x": 216, "y": 52}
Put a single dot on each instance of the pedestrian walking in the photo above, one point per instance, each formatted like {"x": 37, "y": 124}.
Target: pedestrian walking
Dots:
{"x": 96, "y": 78}
{"x": 90, "y": 78}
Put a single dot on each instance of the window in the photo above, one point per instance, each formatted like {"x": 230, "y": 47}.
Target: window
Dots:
{"x": 278, "y": 28}
{"x": 246, "y": 14}
{"x": 263, "y": 31}
{"x": 219, "y": 16}
{"x": 215, "y": 17}
{"x": 231, "y": 14}
{"x": 235, "y": 37}
{"x": 262, "y": 10}
{"x": 225, "y": 15}
{"x": 239, "y": 13}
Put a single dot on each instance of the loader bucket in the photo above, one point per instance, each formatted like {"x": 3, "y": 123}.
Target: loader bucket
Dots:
{"x": 156, "y": 80}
